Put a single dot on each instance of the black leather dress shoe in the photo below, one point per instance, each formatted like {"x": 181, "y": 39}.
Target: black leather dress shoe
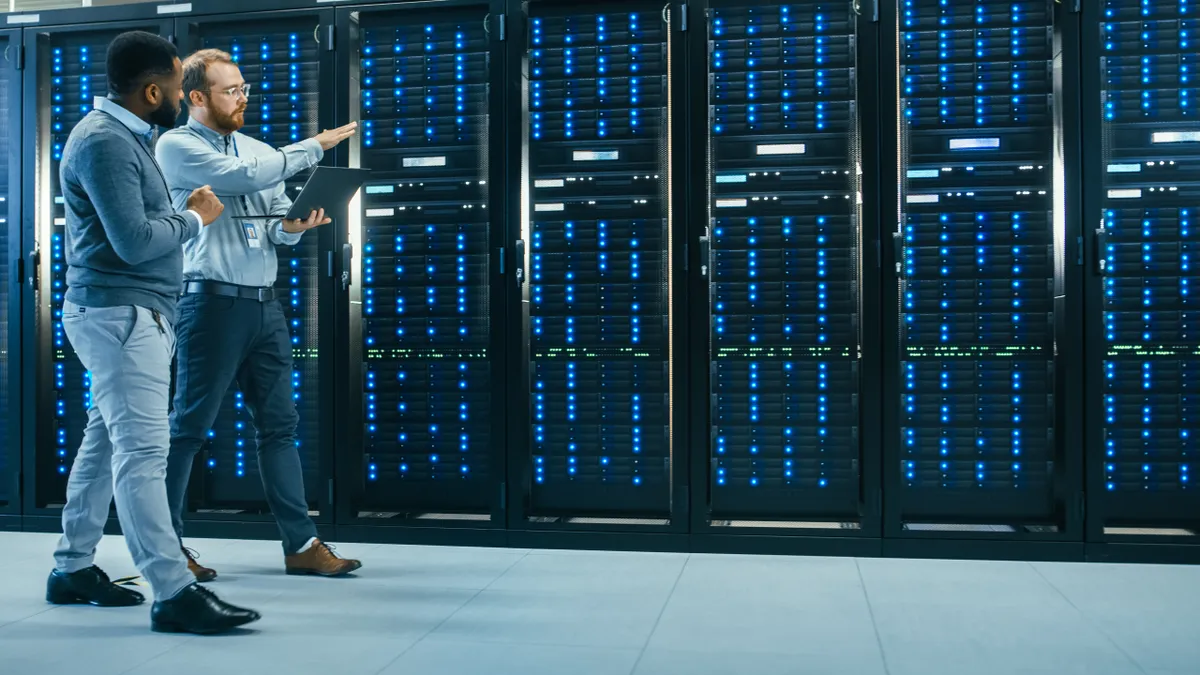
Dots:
{"x": 198, "y": 610}
{"x": 89, "y": 587}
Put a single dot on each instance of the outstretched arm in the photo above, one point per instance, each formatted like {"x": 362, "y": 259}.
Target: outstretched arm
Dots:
{"x": 189, "y": 162}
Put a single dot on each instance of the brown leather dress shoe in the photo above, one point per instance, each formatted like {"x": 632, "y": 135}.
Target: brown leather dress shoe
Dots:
{"x": 320, "y": 559}
{"x": 202, "y": 573}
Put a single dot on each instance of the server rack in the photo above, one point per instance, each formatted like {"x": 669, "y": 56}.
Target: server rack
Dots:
{"x": 597, "y": 442}
{"x": 980, "y": 443}
{"x": 10, "y": 274}
{"x": 786, "y": 341}
{"x": 64, "y": 71}
{"x": 425, "y": 406}
{"x": 288, "y": 59}
{"x": 1142, "y": 121}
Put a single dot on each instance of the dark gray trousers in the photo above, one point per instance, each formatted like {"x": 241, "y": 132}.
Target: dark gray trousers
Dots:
{"x": 222, "y": 340}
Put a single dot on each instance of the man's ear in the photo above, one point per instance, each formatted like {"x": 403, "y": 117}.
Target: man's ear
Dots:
{"x": 153, "y": 95}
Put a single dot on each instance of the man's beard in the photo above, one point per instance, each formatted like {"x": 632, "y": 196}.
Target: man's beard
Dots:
{"x": 165, "y": 115}
{"x": 229, "y": 123}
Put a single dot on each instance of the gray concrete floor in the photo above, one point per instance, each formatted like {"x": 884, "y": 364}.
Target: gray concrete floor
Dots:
{"x": 416, "y": 610}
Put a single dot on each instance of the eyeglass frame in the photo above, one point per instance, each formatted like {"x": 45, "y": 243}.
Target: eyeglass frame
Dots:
{"x": 231, "y": 91}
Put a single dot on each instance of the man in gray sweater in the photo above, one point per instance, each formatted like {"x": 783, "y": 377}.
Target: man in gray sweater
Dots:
{"x": 124, "y": 273}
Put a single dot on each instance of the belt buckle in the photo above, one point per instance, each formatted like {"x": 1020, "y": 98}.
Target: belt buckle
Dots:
{"x": 265, "y": 294}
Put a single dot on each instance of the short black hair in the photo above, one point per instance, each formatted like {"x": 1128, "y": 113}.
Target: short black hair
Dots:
{"x": 136, "y": 57}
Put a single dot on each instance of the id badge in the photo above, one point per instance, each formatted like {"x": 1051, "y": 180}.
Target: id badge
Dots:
{"x": 250, "y": 231}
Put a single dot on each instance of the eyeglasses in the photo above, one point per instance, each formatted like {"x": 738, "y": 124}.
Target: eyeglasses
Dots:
{"x": 233, "y": 92}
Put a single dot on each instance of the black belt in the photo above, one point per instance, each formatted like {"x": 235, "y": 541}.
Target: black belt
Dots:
{"x": 230, "y": 290}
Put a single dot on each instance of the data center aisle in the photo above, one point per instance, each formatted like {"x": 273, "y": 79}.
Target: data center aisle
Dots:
{"x": 417, "y": 610}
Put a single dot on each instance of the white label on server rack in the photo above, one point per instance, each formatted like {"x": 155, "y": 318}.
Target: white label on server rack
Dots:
{"x": 734, "y": 178}
{"x": 381, "y": 189}
{"x": 1175, "y": 137}
{"x": 550, "y": 183}
{"x": 550, "y": 207}
{"x": 781, "y": 149}
{"x": 974, "y": 143}
{"x": 17, "y": 19}
{"x": 596, "y": 155}
{"x": 410, "y": 162}
{"x": 181, "y": 8}
{"x": 380, "y": 213}
{"x": 1124, "y": 168}
{"x": 1125, "y": 194}
{"x": 922, "y": 199}
{"x": 60, "y": 221}
{"x": 923, "y": 173}
{"x": 731, "y": 203}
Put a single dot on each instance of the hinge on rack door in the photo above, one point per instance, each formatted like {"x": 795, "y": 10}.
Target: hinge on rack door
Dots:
{"x": 683, "y": 18}
{"x": 503, "y": 27}
{"x": 21, "y": 271}
{"x": 330, "y": 38}
{"x": 20, "y": 57}
{"x": 173, "y": 39}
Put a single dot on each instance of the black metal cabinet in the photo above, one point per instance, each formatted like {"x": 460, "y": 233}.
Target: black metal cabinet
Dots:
{"x": 639, "y": 271}
{"x": 1142, "y": 124}
{"x": 598, "y": 435}
{"x": 424, "y": 407}
{"x": 64, "y": 72}
{"x": 785, "y": 330}
{"x": 982, "y": 318}
{"x": 11, "y": 270}
{"x": 288, "y": 58}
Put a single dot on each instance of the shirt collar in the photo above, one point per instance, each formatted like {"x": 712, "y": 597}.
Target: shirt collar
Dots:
{"x": 132, "y": 122}
{"x": 208, "y": 134}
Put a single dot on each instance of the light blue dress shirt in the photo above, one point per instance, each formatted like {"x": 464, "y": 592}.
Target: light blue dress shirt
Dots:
{"x": 141, "y": 129}
{"x": 248, "y": 176}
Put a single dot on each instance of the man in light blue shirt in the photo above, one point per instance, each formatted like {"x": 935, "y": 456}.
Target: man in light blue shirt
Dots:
{"x": 232, "y": 327}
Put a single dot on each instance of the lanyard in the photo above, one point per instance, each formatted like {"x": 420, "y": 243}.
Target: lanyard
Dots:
{"x": 245, "y": 201}
{"x": 228, "y": 139}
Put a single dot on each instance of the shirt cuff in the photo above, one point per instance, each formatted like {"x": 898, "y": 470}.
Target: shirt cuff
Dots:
{"x": 197, "y": 218}
{"x": 283, "y": 237}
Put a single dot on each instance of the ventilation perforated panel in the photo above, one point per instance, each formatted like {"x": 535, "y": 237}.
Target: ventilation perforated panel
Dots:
{"x": 976, "y": 298}
{"x": 425, "y": 270}
{"x": 1150, "y": 75}
{"x": 599, "y": 343}
{"x": 784, "y": 263}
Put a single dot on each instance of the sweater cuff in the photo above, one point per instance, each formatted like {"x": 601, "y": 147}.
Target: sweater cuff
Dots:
{"x": 199, "y": 221}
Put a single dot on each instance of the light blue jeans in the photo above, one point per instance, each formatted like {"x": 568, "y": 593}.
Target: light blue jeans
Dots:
{"x": 128, "y": 352}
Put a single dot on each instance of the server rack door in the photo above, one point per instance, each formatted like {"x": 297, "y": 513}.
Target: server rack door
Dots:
{"x": 1143, "y": 401}
{"x": 595, "y": 257}
{"x": 425, "y": 324}
{"x": 977, "y": 449}
{"x": 782, "y": 264}
{"x": 10, "y": 290}
{"x": 287, "y": 60}
{"x": 64, "y": 72}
